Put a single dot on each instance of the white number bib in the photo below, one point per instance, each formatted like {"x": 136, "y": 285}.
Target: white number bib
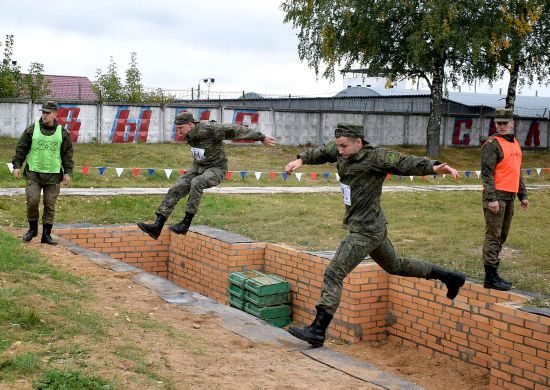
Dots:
{"x": 346, "y": 193}
{"x": 198, "y": 154}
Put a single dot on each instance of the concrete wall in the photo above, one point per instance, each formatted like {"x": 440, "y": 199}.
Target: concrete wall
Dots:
{"x": 121, "y": 123}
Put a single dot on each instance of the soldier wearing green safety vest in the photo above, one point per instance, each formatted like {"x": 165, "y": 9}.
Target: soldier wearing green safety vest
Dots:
{"x": 48, "y": 148}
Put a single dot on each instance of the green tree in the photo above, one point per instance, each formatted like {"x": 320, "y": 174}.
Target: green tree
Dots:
{"x": 34, "y": 83}
{"x": 414, "y": 39}
{"x": 108, "y": 86}
{"x": 519, "y": 43}
{"x": 133, "y": 87}
{"x": 10, "y": 73}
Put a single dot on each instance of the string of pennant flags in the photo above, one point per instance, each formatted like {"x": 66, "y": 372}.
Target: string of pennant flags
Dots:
{"x": 326, "y": 175}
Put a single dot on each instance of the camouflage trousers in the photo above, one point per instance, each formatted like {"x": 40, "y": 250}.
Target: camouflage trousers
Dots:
{"x": 497, "y": 227}
{"x": 33, "y": 190}
{"x": 352, "y": 251}
{"x": 192, "y": 183}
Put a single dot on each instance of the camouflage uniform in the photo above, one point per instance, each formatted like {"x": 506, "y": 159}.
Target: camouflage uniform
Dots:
{"x": 497, "y": 226}
{"x": 209, "y": 163}
{"x": 48, "y": 182}
{"x": 364, "y": 173}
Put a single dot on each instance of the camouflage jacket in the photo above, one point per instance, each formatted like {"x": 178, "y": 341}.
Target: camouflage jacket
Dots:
{"x": 24, "y": 147}
{"x": 491, "y": 155}
{"x": 365, "y": 173}
{"x": 207, "y": 146}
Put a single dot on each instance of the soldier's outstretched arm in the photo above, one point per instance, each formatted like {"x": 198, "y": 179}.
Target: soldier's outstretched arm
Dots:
{"x": 269, "y": 141}
{"x": 293, "y": 166}
{"x": 445, "y": 169}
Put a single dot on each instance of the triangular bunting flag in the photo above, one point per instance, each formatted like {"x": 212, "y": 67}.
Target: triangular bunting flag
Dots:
{"x": 10, "y": 167}
{"x": 400, "y": 177}
{"x": 136, "y": 171}
{"x": 424, "y": 177}
{"x": 285, "y": 175}
{"x": 326, "y": 175}
{"x": 444, "y": 175}
{"x": 435, "y": 176}
{"x": 119, "y": 171}
{"x": 411, "y": 178}
{"x": 388, "y": 176}
{"x": 313, "y": 176}
{"x": 168, "y": 173}
{"x": 478, "y": 173}
{"x": 229, "y": 175}
{"x": 548, "y": 171}
{"x": 467, "y": 173}
{"x": 151, "y": 170}
{"x": 85, "y": 170}
{"x": 101, "y": 170}
{"x": 258, "y": 174}
{"x": 298, "y": 175}
{"x": 528, "y": 172}
{"x": 273, "y": 175}
{"x": 243, "y": 174}
{"x": 337, "y": 176}
{"x": 182, "y": 171}
{"x": 538, "y": 171}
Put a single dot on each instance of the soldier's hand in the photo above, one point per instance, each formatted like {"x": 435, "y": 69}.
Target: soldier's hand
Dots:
{"x": 494, "y": 207}
{"x": 525, "y": 204}
{"x": 293, "y": 166}
{"x": 66, "y": 180}
{"x": 17, "y": 173}
{"x": 445, "y": 169}
{"x": 269, "y": 141}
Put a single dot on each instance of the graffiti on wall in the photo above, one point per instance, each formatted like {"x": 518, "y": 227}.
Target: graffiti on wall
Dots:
{"x": 533, "y": 135}
{"x": 203, "y": 115}
{"x": 127, "y": 130}
{"x": 245, "y": 118}
{"x": 67, "y": 116}
{"x": 492, "y": 127}
{"x": 458, "y": 128}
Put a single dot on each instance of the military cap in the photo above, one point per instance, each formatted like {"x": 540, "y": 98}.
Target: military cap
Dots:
{"x": 349, "y": 129}
{"x": 184, "y": 117}
{"x": 504, "y": 114}
{"x": 49, "y": 106}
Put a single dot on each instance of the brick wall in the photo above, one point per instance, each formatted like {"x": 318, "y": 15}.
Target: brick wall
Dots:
{"x": 483, "y": 327}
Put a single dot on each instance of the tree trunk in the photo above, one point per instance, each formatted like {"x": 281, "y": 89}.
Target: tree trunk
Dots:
{"x": 512, "y": 85}
{"x": 436, "y": 98}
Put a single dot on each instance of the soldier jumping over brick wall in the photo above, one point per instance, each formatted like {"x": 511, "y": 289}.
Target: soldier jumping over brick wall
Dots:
{"x": 208, "y": 170}
{"x": 50, "y": 161}
{"x": 363, "y": 167}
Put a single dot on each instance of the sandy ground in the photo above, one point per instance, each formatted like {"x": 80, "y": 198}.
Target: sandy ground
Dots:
{"x": 192, "y": 351}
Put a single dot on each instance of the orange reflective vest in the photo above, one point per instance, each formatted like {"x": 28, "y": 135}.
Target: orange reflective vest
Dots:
{"x": 507, "y": 172}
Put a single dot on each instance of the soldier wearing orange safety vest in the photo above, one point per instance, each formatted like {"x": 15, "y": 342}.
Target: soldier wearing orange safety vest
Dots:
{"x": 502, "y": 182}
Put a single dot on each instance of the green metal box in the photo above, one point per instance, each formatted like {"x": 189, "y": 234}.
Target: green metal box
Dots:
{"x": 238, "y": 278}
{"x": 267, "y": 285}
{"x": 236, "y": 302}
{"x": 279, "y": 322}
{"x": 267, "y": 312}
{"x": 266, "y": 300}
{"x": 234, "y": 290}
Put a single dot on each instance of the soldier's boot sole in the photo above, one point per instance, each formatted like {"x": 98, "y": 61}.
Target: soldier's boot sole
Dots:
{"x": 454, "y": 283}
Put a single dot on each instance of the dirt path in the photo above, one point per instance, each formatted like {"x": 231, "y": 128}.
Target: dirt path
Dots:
{"x": 195, "y": 352}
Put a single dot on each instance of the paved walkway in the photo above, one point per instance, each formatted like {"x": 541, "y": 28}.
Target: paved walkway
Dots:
{"x": 253, "y": 190}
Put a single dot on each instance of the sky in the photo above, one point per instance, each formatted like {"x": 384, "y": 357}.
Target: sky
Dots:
{"x": 242, "y": 44}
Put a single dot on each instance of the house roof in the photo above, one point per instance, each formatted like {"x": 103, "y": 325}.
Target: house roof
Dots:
{"x": 70, "y": 87}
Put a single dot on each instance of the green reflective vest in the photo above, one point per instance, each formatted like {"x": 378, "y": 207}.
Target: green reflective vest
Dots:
{"x": 45, "y": 154}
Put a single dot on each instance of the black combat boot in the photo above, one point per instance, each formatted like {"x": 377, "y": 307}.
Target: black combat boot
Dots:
{"x": 493, "y": 281}
{"x": 501, "y": 278}
{"x": 183, "y": 226}
{"x": 33, "y": 231}
{"x": 153, "y": 229}
{"x": 315, "y": 333}
{"x": 452, "y": 279}
{"x": 46, "y": 237}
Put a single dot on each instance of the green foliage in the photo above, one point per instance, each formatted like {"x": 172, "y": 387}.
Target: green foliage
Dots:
{"x": 25, "y": 364}
{"x": 109, "y": 86}
{"x": 70, "y": 380}
{"x": 13, "y": 84}
{"x": 430, "y": 40}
